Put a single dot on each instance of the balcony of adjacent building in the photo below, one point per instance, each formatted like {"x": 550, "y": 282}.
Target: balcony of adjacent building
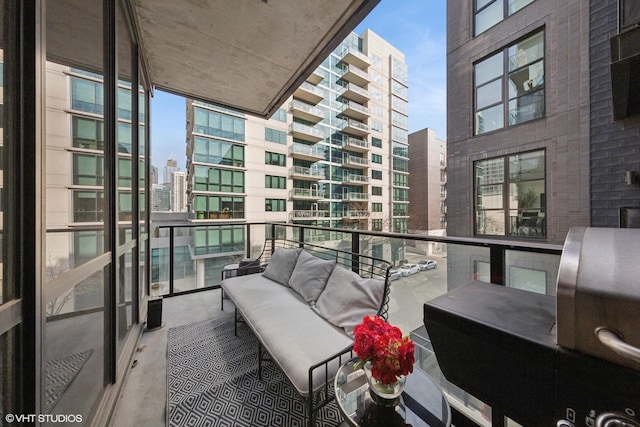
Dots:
{"x": 355, "y": 127}
{"x": 354, "y": 110}
{"x": 356, "y": 144}
{"x": 305, "y": 111}
{"x": 315, "y": 77}
{"x": 355, "y": 179}
{"x": 310, "y": 153}
{"x": 353, "y": 74}
{"x": 356, "y": 93}
{"x": 352, "y": 196}
{"x": 306, "y": 174}
{"x": 354, "y": 161}
{"x": 351, "y": 55}
{"x": 306, "y": 132}
{"x": 309, "y": 215}
{"x": 355, "y": 214}
{"x": 309, "y": 93}
{"x": 306, "y": 194}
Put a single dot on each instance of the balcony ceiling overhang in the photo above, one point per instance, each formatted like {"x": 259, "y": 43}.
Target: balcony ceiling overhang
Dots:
{"x": 245, "y": 54}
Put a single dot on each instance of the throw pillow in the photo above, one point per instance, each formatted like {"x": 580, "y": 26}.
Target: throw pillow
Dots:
{"x": 348, "y": 298}
{"x": 281, "y": 265}
{"x": 310, "y": 276}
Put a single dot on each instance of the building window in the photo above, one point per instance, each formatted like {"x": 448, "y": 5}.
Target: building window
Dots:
{"x": 400, "y": 135}
{"x": 510, "y": 195}
{"x": 400, "y": 209}
{"x": 400, "y": 225}
{"x": 87, "y": 96}
{"x": 221, "y": 180}
{"x": 376, "y": 158}
{"x": 400, "y": 180}
{"x": 273, "y": 135}
{"x": 509, "y": 85}
{"x": 442, "y": 190}
{"x": 443, "y": 175}
{"x": 218, "y": 239}
{"x": 271, "y": 181}
{"x": 280, "y": 115}
{"x": 220, "y": 125}
{"x": 376, "y": 125}
{"x": 376, "y": 142}
{"x": 275, "y": 205}
{"x": 87, "y": 133}
{"x": 275, "y": 159}
{"x": 376, "y": 207}
{"x": 217, "y": 152}
{"x": 218, "y": 207}
{"x": 400, "y": 165}
{"x": 88, "y": 206}
{"x": 376, "y": 225}
{"x": 376, "y": 191}
{"x": 489, "y": 12}
{"x": 400, "y": 194}
{"x": 376, "y": 174}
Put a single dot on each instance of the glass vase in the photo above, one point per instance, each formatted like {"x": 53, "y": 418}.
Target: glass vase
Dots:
{"x": 381, "y": 393}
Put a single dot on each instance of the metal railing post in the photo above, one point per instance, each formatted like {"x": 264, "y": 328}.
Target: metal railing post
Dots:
{"x": 497, "y": 264}
{"x": 171, "y": 248}
{"x": 355, "y": 251}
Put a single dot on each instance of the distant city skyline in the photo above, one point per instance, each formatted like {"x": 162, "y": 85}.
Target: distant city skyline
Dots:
{"x": 417, "y": 28}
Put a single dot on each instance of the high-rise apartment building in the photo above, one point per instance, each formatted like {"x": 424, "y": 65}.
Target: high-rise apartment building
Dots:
{"x": 178, "y": 191}
{"x": 334, "y": 155}
{"x": 427, "y": 181}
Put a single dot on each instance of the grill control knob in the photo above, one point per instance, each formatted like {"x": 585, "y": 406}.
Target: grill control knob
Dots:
{"x": 614, "y": 419}
{"x": 565, "y": 423}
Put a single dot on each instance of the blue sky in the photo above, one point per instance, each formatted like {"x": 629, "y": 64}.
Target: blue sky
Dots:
{"x": 416, "y": 27}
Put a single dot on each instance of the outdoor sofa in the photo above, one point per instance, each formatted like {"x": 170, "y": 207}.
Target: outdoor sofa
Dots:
{"x": 302, "y": 307}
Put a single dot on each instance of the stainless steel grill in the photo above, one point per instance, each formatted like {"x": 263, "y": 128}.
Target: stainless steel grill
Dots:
{"x": 598, "y": 294}
{"x": 566, "y": 361}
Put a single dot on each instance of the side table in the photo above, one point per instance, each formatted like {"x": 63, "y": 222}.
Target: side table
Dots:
{"x": 422, "y": 403}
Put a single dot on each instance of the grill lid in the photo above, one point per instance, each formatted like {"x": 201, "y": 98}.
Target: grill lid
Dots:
{"x": 598, "y": 294}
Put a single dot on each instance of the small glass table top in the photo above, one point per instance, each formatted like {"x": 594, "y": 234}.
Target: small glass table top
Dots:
{"x": 422, "y": 403}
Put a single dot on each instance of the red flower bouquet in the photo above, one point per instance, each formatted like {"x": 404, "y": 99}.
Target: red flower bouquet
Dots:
{"x": 390, "y": 354}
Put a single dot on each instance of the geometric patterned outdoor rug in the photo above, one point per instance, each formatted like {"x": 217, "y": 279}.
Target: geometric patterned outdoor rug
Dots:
{"x": 58, "y": 375}
{"x": 212, "y": 380}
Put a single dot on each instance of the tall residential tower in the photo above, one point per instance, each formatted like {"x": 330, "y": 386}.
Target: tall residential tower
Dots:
{"x": 334, "y": 155}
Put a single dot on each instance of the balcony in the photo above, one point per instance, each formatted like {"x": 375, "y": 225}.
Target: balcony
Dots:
{"x": 355, "y": 214}
{"x": 315, "y": 77}
{"x": 311, "y": 153}
{"x": 307, "y": 133}
{"x": 146, "y": 387}
{"x": 306, "y": 174}
{"x": 351, "y": 178}
{"x": 355, "y": 197}
{"x": 305, "y": 111}
{"x": 306, "y": 194}
{"x": 308, "y": 215}
{"x": 356, "y": 93}
{"x": 309, "y": 93}
{"x": 355, "y": 162}
{"x": 355, "y": 110}
{"x": 356, "y": 75}
{"x": 355, "y": 127}
{"x": 352, "y": 143}
{"x": 351, "y": 55}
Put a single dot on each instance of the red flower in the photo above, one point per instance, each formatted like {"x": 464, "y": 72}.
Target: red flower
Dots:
{"x": 390, "y": 354}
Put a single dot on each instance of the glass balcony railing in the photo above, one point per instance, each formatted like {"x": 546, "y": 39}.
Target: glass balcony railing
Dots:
{"x": 527, "y": 266}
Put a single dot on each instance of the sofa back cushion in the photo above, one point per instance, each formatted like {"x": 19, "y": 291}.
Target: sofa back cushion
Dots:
{"x": 310, "y": 276}
{"x": 348, "y": 298}
{"x": 281, "y": 265}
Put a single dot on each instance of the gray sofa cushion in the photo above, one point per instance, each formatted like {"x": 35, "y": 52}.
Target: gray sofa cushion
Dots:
{"x": 310, "y": 276}
{"x": 348, "y": 298}
{"x": 281, "y": 265}
{"x": 293, "y": 334}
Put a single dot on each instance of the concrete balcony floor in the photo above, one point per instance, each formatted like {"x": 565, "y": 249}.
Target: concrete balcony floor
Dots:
{"x": 143, "y": 399}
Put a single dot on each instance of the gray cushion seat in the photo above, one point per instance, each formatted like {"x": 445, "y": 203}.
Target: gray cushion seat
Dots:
{"x": 303, "y": 310}
{"x": 295, "y": 336}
